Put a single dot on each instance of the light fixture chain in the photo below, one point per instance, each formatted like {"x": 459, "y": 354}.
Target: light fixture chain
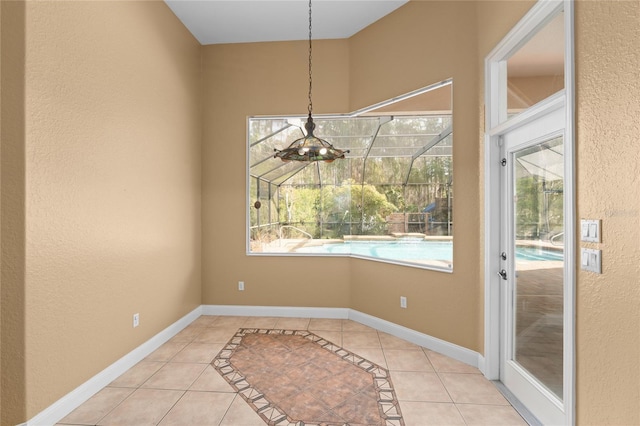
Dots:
{"x": 310, "y": 75}
{"x": 310, "y": 147}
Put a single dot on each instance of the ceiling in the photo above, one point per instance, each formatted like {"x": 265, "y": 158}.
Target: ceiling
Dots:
{"x": 245, "y": 21}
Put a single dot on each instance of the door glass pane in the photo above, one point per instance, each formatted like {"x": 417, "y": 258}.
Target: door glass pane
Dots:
{"x": 536, "y": 70}
{"x": 539, "y": 266}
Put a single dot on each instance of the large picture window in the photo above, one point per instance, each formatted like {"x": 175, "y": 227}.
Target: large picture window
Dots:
{"x": 390, "y": 199}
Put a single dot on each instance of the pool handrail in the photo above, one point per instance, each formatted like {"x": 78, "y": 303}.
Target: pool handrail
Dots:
{"x": 559, "y": 234}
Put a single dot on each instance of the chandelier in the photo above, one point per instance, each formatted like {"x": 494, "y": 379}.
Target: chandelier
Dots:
{"x": 310, "y": 147}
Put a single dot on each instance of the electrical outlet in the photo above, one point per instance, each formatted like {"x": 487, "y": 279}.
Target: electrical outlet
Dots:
{"x": 136, "y": 320}
{"x": 403, "y": 302}
{"x": 240, "y": 285}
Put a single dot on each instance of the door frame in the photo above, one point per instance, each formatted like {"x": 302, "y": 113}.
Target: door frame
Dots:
{"x": 496, "y": 123}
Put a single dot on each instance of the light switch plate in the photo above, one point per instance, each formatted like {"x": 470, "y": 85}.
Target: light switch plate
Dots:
{"x": 591, "y": 260}
{"x": 590, "y": 230}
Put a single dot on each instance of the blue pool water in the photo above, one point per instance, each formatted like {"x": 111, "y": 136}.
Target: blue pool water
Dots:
{"x": 537, "y": 253}
{"x": 416, "y": 250}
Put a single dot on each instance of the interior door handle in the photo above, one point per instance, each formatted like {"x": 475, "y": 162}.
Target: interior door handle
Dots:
{"x": 503, "y": 274}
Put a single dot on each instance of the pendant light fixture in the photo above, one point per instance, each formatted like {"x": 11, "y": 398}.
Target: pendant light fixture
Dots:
{"x": 310, "y": 147}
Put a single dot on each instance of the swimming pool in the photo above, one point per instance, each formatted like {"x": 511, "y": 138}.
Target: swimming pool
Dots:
{"x": 418, "y": 250}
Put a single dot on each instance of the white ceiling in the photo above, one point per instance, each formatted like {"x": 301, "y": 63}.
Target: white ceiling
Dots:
{"x": 244, "y": 21}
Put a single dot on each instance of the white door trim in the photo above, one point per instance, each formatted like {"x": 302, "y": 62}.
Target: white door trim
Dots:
{"x": 496, "y": 123}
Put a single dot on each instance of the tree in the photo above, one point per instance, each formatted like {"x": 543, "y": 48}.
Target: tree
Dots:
{"x": 367, "y": 207}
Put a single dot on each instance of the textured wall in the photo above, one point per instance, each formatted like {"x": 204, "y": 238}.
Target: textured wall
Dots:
{"x": 417, "y": 45}
{"x": 241, "y": 80}
{"x": 112, "y": 144}
{"x": 608, "y": 179}
{"x": 12, "y": 193}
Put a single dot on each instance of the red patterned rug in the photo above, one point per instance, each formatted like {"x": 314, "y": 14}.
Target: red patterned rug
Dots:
{"x": 294, "y": 377}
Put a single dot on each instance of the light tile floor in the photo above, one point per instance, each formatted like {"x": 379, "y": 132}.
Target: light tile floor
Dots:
{"x": 176, "y": 385}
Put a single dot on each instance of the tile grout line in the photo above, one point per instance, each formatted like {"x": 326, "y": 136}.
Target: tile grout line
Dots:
{"x": 135, "y": 389}
{"x": 174, "y": 404}
{"x": 455, "y": 404}
{"x": 116, "y": 406}
{"x": 228, "y": 408}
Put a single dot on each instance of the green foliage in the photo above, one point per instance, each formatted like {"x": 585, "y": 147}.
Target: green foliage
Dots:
{"x": 308, "y": 208}
{"x": 527, "y": 207}
{"x": 367, "y": 206}
{"x": 539, "y": 207}
{"x": 299, "y": 208}
{"x": 395, "y": 195}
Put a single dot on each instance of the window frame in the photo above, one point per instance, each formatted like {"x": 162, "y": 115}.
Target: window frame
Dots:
{"x": 361, "y": 112}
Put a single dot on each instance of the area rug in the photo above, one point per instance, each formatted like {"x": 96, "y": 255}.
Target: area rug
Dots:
{"x": 294, "y": 377}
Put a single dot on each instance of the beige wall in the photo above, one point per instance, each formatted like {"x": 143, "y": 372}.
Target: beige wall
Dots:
{"x": 12, "y": 303}
{"x": 241, "y": 80}
{"x": 112, "y": 189}
{"x": 420, "y": 44}
{"x": 608, "y": 183}
{"x": 523, "y": 92}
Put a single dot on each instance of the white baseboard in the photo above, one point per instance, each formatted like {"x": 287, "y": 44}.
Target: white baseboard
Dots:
{"x": 449, "y": 349}
{"x": 481, "y": 364}
{"x": 75, "y": 398}
{"x": 65, "y": 405}
{"x": 433, "y": 343}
